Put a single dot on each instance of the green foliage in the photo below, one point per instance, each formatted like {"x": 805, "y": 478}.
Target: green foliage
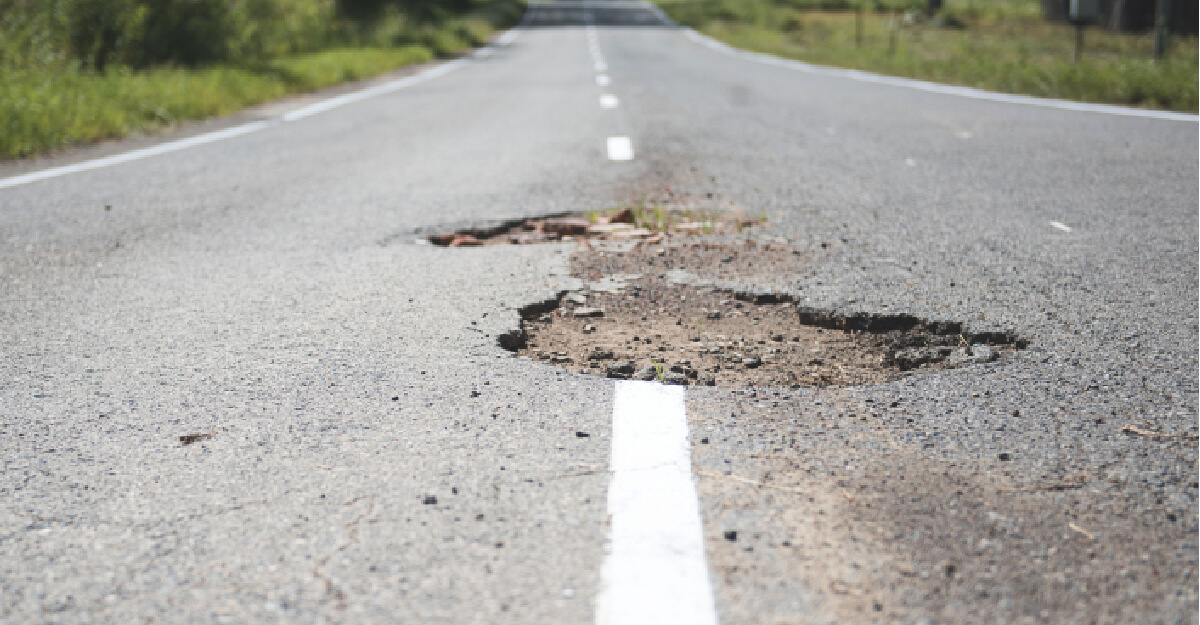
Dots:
{"x": 314, "y": 71}
{"x": 188, "y": 32}
{"x": 82, "y": 70}
{"x": 388, "y": 24}
{"x": 1001, "y": 45}
{"x": 100, "y": 32}
{"x": 198, "y": 32}
{"x": 193, "y": 33}
{"x": 143, "y": 33}
{"x": 264, "y": 29}
{"x": 697, "y": 13}
{"x": 31, "y": 35}
{"x": 421, "y": 10}
{"x": 43, "y": 111}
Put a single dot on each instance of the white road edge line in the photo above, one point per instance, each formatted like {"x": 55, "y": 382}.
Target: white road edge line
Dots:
{"x": 1061, "y": 226}
{"x": 608, "y": 101}
{"x": 357, "y": 96}
{"x": 620, "y": 149}
{"x": 932, "y": 87}
{"x": 117, "y": 159}
{"x": 655, "y": 571}
{"x": 252, "y": 127}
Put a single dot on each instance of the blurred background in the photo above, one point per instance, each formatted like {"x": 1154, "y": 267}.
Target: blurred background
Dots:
{"x": 80, "y": 70}
{"x": 77, "y": 71}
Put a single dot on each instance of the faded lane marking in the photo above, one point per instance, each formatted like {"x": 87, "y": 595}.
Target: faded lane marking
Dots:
{"x": 1061, "y": 226}
{"x": 594, "y": 49}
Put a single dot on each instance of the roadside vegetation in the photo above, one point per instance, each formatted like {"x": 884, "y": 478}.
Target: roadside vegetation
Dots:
{"x": 76, "y": 71}
{"x": 999, "y": 45}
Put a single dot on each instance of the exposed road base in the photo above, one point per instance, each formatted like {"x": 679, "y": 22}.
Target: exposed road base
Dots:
{"x": 643, "y": 326}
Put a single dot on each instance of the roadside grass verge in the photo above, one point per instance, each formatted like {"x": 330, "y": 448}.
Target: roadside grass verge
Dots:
{"x": 60, "y": 102}
{"x": 42, "y": 111}
{"x": 1011, "y": 50}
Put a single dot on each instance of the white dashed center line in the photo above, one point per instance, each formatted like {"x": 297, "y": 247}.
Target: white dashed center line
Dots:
{"x": 620, "y": 149}
{"x": 656, "y": 572}
{"x": 1061, "y": 226}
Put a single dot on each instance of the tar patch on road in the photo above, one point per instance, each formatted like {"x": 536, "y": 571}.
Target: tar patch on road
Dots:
{"x": 640, "y": 316}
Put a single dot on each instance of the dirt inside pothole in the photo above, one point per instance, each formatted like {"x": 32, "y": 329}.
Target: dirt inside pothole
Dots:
{"x": 649, "y": 326}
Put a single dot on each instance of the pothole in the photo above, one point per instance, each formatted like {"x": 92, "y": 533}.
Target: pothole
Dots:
{"x": 656, "y": 324}
{"x": 641, "y": 221}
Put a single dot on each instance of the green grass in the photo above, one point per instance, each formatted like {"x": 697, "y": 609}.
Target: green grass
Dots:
{"x": 314, "y": 71}
{"x": 49, "y": 101}
{"x": 45, "y": 110}
{"x": 1000, "y": 46}
{"x": 675, "y": 217}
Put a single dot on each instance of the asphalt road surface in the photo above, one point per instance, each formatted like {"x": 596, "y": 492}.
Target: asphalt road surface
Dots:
{"x": 376, "y": 457}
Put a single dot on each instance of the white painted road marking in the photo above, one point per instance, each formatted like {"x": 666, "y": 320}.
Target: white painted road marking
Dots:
{"x": 594, "y": 49}
{"x": 1061, "y": 226}
{"x": 656, "y": 572}
{"x": 932, "y": 87}
{"x": 357, "y": 96}
{"x": 117, "y": 159}
{"x": 511, "y": 35}
{"x": 603, "y": 80}
{"x": 252, "y": 127}
{"x": 620, "y": 149}
{"x": 608, "y": 101}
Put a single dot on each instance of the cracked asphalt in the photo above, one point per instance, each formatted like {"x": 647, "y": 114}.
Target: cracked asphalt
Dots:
{"x": 376, "y": 456}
